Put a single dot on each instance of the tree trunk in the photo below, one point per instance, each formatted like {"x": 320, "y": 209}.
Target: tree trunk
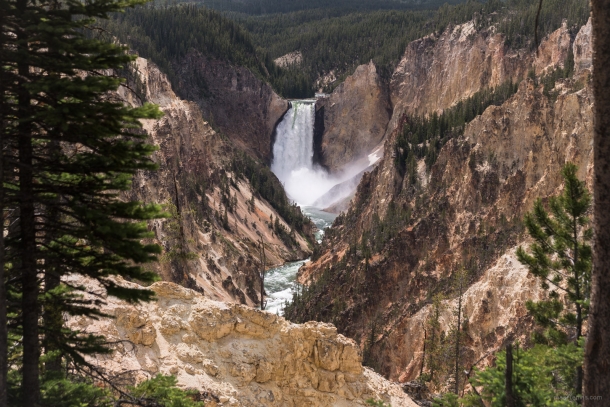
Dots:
{"x": 29, "y": 278}
{"x": 457, "y": 342}
{"x": 423, "y": 358}
{"x": 579, "y": 372}
{"x": 262, "y": 274}
{"x": 52, "y": 312}
{"x": 30, "y": 385}
{"x": 3, "y": 297}
{"x": 597, "y": 351}
{"x": 508, "y": 377}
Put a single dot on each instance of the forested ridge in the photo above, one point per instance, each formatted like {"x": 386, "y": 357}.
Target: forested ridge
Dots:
{"x": 263, "y": 7}
{"x": 330, "y": 39}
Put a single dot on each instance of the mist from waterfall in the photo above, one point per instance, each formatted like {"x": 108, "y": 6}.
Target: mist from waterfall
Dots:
{"x": 292, "y": 163}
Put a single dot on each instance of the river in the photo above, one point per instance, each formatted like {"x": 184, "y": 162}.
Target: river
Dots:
{"x": 280, "y": 282}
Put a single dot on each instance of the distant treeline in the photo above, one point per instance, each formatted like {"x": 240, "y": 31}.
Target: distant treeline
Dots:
{"x": 262, "y": 7}
{"x": 165, "y": 34}
{"x": 330, "y": 39}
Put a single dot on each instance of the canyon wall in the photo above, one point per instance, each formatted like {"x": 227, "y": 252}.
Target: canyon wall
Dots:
{"x": 233, "y": 355}
{"x": 434, "y": 74}
{"x": 216, "y": 218}
{"x": 237, "y": 103}
{"x": 355, "y": 117}
{"x": 401, "y": 241}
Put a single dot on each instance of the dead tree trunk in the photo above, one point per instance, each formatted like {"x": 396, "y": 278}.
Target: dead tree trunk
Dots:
{"x": 597, "y": 352}
{"x": 262, "y": 272}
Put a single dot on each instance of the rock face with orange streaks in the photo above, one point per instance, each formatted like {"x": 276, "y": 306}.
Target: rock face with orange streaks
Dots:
{"x": 216, "y": 217}
{"x": 465, "y": 210}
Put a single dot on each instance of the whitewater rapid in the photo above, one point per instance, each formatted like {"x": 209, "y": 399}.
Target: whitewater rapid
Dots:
{"x": 280, "y": 282}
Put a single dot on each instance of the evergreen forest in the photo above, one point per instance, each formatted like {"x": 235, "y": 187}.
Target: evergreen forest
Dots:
{"x": 330, "y": 39}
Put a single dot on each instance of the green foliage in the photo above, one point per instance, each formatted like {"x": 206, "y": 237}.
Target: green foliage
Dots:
{"x": 80, "y": 391}
{"x": 548, "y": 81}
{"x": 377, "y": 403}
{"x": 382, "y": 231}
{"x": 550, "y": 373}
{"x": 542, "y": 376}
{"x": 74, "y": 392}
{"x": 331, "y": 38}
{"x": 435, "y": 357}
{"x": 166, "y": 34}
{"x": 561, "y": 258}
{"x": 173, "y": 230}
{"x": 336, "y": 39}
{"x": 446, "y": 400}
{"x": 268, "y": 187}
{"x": 75, "y": 148}
{"x": 163, "y": 391}
{"x": 423, "y": 137}
{"x": 343, "y": 6}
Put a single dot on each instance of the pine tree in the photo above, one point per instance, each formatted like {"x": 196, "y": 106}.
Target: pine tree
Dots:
{"x": 433, "y": 344}
{"x": 457, "y": 333}
{"x": 561, "y": 258}
{"x": 71, "y": 149}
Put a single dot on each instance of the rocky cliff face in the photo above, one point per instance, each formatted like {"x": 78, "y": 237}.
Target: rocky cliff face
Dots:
{"x": 465, "y": 211}
{"x": 234, "y": 100}
{"x": 355, "y": 117}
{"x": 438, "y": 71}
{"x": 237, "y": 356}
{"x": 216, "y": 218}
{"x": 434, "y": 74}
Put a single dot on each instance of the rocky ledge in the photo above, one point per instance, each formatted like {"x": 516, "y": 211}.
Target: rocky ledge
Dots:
{"x": 236, "y": 355}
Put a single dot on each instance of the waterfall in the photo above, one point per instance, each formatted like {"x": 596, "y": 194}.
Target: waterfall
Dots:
{"x": 293, "y": 148}
{"x": 293, "y": 162}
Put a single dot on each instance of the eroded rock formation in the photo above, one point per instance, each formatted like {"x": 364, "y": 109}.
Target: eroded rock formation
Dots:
{"x": 216, "y": 218}
{"x": 355, "y": 118}
{"x": 465, "y": 211}
{"x": 236, "y": 355}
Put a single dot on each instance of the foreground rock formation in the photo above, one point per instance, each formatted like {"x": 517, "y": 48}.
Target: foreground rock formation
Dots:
{"x": 464, "y": 211}
{"x": 216, "y": 218}
{"x": 237, "y": 356}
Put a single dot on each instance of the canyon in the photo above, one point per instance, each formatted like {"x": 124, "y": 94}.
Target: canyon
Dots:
{"x": 464, "y": 211}
{"x": 206, "y": 246}
{"x": 222, "y": 124}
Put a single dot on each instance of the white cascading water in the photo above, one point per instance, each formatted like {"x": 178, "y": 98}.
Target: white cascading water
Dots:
{"x": 292, "y": 162}
{"x": 304, "y": 182}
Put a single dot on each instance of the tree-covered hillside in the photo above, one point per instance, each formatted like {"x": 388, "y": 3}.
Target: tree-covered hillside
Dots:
{"x": 261, "y": 7}
{"x": 330, "y": 40}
